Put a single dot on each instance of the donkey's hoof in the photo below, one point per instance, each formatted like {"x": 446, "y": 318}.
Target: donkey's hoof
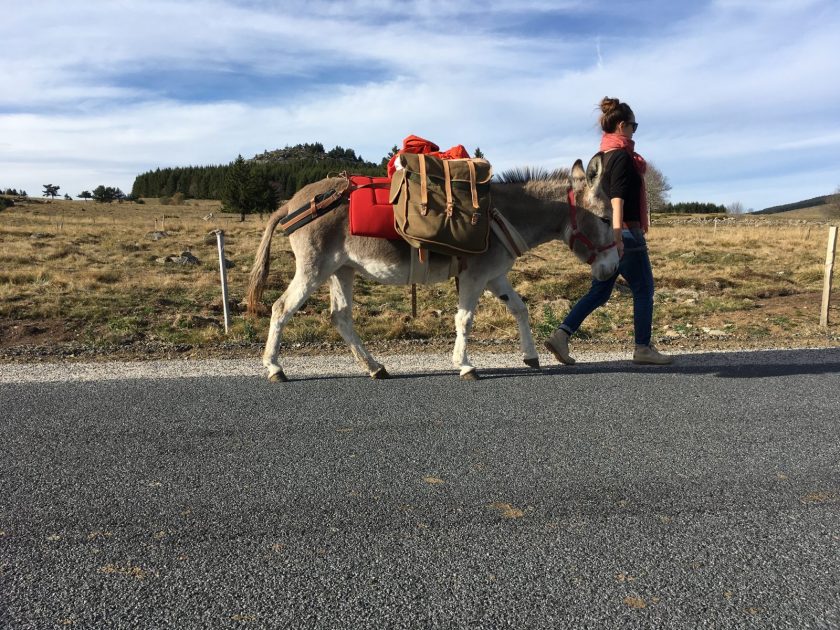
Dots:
{"x": 380, "y": 374}
{"x": 278, "y": 377}
{"x": 472, "y": 375}
{"x": 533, "y": 363}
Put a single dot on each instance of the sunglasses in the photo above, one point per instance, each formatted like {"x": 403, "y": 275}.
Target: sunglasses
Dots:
{"x": 634, "y": 125}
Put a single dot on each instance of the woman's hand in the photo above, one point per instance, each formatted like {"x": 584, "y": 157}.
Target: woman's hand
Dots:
{"x": 619, "y": 242}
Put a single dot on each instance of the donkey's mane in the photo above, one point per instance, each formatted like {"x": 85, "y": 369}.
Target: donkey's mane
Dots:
{"x": 538, "y": 181}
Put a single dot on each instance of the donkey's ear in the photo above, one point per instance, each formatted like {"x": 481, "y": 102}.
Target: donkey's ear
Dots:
{"x": 595, "y": 169}
{"x": 578, "y": 176}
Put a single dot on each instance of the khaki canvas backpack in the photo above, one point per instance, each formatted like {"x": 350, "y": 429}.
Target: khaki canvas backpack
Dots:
{"x": 443, "y": 205}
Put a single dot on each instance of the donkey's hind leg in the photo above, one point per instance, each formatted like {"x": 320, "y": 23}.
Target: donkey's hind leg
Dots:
{"x": 295, "y": 295}
{"x": 502, "y": 289}
{"x": 341, "y": 315}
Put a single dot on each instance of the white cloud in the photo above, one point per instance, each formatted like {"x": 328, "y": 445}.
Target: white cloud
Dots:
{"x": 722, "y": 92}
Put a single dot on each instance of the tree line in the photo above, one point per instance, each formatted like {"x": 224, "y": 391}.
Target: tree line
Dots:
{"x": 694, "y": 207}
{"x": 256, "y": 184}
{"x": 105, "y": 194}
{"x": 283, "y": 179}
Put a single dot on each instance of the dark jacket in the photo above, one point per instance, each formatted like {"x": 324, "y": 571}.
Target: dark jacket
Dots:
{"x": 621, "y": 179}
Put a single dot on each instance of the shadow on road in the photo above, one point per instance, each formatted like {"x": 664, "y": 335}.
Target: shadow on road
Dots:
{"x": 758, "y": 364}
{"x": 763, "y": 364}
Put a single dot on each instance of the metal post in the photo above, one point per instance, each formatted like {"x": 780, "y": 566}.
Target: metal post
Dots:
{"x": 220, "y": 240}
{"x": 829, "y": 268}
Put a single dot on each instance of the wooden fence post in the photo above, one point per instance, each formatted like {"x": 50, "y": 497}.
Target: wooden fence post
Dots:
{"x": 829, "y": 268}
{"x": 220, "y": 240}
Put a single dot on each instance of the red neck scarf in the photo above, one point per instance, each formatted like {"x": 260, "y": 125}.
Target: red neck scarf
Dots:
{"x": 610, "y": 141}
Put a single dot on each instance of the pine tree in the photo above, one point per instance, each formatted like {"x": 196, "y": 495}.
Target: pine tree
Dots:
{"x": 235, "y": 189}
{"x": 247, "y": 189}
{"x": 50, "y": 190}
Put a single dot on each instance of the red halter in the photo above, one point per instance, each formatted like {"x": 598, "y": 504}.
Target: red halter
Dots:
{"x": 577, "y": 235}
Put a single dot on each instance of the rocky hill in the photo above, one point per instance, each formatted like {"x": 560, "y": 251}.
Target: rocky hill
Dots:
{"x": 314, "y": 151}
{"x": 814, "y": 202}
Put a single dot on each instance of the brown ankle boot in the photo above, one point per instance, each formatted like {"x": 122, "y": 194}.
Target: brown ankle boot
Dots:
{"x": 649, "y": 355}
{"x": 558, "y": 345}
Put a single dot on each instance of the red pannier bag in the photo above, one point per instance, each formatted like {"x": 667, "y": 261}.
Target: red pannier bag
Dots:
{"x": 371, "y": 213}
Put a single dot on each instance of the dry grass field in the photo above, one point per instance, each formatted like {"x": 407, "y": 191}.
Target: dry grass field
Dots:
{"x": 78, "y": 278}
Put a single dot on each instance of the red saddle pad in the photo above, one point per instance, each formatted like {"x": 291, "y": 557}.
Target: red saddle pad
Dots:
{"x": 370, "y": 212}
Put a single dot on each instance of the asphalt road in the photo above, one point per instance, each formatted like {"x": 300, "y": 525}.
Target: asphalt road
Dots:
{"x": 703, "y": 495}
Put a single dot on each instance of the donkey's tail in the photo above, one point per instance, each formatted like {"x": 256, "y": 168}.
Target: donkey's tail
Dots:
{"x": 262, "y": 261}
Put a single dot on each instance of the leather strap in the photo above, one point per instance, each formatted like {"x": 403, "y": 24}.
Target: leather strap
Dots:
{"x": 312, "y": 211}
{"x": 473, "y": 188}
{"x": 507, "y": 234}
{"x": 370, "y": 185}
{"x": 424, "y": 192}
{"x": 447, "y": 183}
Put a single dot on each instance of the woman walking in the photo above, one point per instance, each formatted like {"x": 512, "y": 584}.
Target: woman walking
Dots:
{"x": 623, "y": 181}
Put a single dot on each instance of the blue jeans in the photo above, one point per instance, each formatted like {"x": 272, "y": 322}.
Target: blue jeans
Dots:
{"x": 635, "y": 268}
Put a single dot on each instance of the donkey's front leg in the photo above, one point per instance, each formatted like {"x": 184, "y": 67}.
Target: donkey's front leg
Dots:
{"x": 468, "y": 293}
{"x": 341, "y": 315}
{"x": 502, "y": 289}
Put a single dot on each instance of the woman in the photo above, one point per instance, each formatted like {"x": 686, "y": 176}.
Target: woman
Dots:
{"x": 623, "y": 181}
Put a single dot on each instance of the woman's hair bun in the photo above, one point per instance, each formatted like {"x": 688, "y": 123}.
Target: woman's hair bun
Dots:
{"x": 609, "y": 104}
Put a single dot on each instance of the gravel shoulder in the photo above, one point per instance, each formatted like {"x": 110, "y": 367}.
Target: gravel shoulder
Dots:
{"x": 307, "y": 363}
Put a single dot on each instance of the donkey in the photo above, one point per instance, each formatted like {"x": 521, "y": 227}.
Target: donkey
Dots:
{"x": 541, "y": 210}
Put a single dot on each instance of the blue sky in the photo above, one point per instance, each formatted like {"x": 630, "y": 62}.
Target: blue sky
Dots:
{"x": 737, "y": 100}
